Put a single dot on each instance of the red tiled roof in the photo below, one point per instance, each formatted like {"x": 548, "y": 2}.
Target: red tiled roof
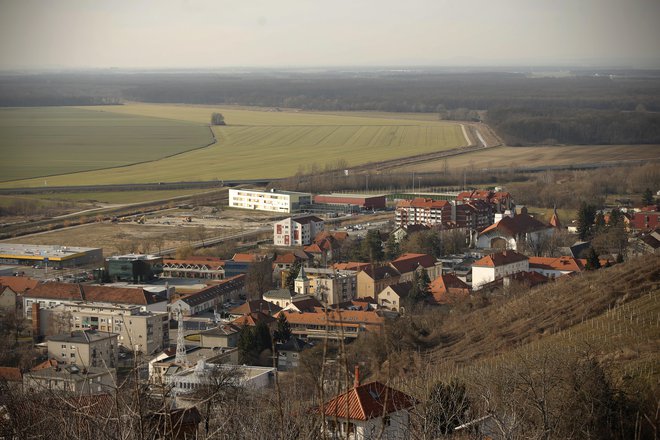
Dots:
{"x": 313, "y": 249}
{"x": 519, "y": 224}
{"x": 421, "y": 202}
{"x": 289, "y": 258}
{"x": 561, "y": 263}
{"x": 356, "y": 266}
{"x": 82, "y": 292}
{"x": 11, "y": 374}
{"x": 410, "y": 262}
{"x": 347, "y": 318}
{"x": 367, "y": 401}
{"x": 19, "y": 284}
{"x": 252, "y": 319}
{"x": 448, "y": 288}
{"x": 245, "y": 258}
{"x": 500, "y": 259}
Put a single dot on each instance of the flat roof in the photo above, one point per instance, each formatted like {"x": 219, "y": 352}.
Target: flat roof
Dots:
{"x": 82, "y": 337}
{"x": 360, "y": 196}
{"x": 272, "y": 191}
{"x": 41, "y": 251}
{"x": 133, "y": 257}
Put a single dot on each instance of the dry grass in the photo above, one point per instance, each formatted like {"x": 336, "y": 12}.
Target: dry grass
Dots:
{"x": 501, "y": 157}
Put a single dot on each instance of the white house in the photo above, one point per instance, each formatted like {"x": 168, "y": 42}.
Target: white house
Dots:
{"x": 296, "y": 231}
{"x": 369, "y": 411}
{"x": 513, "y": 233}
{"x": 273, "y": 200}
{"x": 498, "y": 265}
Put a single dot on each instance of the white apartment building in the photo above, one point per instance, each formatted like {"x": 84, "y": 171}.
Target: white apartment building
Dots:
{"x": 496, "y": 266}
{"x": 296, "y": 231}
{"x": 273, "y": 200}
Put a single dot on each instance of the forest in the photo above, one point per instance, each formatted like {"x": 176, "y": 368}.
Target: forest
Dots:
{"x": 586, "y": 107}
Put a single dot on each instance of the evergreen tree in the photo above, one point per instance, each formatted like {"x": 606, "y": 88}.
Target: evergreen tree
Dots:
{"x": 420, "y": 286}
{"x": 593, "y": 262}
{"x": 599, "y": 222}
{"x": 392, "y": 248}
{"x": 283, "y": 332}
{"x": 647, "y": 197}
{"x": 246, "y": 345}
{"x": 372, "y": 247}
{"x": 586, "y": 216}
{"x": 293, "y": 274}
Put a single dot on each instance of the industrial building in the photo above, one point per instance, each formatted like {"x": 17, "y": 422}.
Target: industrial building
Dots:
{"x": 273, "y": 200}
{"x": 48, "y": 256}
{"x": 364, "y": 201}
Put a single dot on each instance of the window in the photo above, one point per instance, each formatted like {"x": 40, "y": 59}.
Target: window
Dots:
{"x": 63, "y": 345}
{"x": 73, "y": 355}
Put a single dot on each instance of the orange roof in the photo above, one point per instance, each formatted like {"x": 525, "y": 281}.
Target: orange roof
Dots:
{"x": 334, "y": 317}
{"x": 366, "y": 402}
{"x": 500, "y": 259}
{"x": 252, "y": 319}
{"x": 289, "y": 258}
{"x": 245, "y": 258}
{"x": 564, "y": 264}
{"x": 19, "y": 284}
{"x": 448, "y": 288}
{"x": 11, "y": 374}
{"x": 255, "y": 305}
{"x": 82, "y": 292}
{"x": 353, "y": 265}
{"x": 50, "y": 363}
{"x": 313, "y": 249}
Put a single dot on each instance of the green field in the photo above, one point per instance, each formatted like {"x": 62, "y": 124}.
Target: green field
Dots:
{"x": 259, "y": 143}
{"x": 115, "y": 197}
{"x": 44, "y": 141}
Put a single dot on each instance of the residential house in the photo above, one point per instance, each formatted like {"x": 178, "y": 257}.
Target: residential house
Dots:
{"x": 304, "y": 303}
{"x": 554, "y": 267}
{"x": 89, "y": 348}
{"x": 224, "y": 336}
{"x": 448, "y": 288}
{"x": 401, "y": 232}
{"x": 392, "y": 297}
{"x": 330, "y": 286}
{"x": 296, "y": 231}
{"x": 369, "y": 411}
{"x": 72, "y": 379}
{"x": 8, "y": 298}
{"x": 648, "y": 218}
{"x": 373, "y": 280}
{"x": 288, "y": 353}
{"x": 497, "y": 265}
{"x": 255, "y": 318}
{"x": 514, "y": 233}
{"x": 19, "y": 285}
{"x": 409, "y": 263}
{"x": 253, "y": 306}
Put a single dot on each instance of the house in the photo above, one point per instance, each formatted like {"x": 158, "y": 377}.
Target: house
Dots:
{"x": 298, "y": 231}
{"x": 554, "y": 267}
{"x": 646, "y": 219}
{"x": 253, "y": 306}
{"x": 391, "y": 297}
{"x": 369, "y": 411}
{"x": 19, "y": 285}
{"x": 253, "y": 319}
{"x": 354, "y": 266}
{"x": 11, "y": 378}
{"x": 497, "y": 265}
{"x": 408, "y": 263}
{"x": 224, "y": 336}
{"x": 211, "y": 297}
{"x": 71, "y": 379}
{"x": 401, "y": 232}
{"x": 514, "y": 233}
{"x": 88, "y": 348}
{"x": 373, "y": 280}
{"x": 644, "y": 244}
{"x": 288, "y": 353}
{"x": 164, "y": 366}
{"x": 283, "y": 263}
{"x": 527, "y": 279}
{"x": 304, "y": 303}
{"x": 448, "y": 288}
{"x": 8, "y": 298}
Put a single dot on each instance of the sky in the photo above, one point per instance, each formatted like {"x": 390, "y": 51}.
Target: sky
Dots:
{"x": 74, "y": 34}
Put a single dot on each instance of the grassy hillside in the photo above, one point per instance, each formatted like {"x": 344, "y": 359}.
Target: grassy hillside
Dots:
{"x": 271, "y": 144}
{"x": 57, "y": 140}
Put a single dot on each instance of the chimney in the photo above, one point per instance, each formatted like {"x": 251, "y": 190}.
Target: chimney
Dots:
{"x": 356, "y": 383}
{"x": 36, "y": 320}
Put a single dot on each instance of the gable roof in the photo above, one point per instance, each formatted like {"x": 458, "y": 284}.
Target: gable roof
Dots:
{"x": 245, "y": 258}
{"x": 95, "y": 293}
{"x": 19, "y": 284}
{"x": 368, "y": 401}
{"x": 381, "y": 272}
{"x": 252, "y": 319}
{"x": 500, "y": 259}
{"x": 351, "y": 265}
{"x": 401, "y": 289}
{"x": 421, "y": 202}
{"x": 307, "y": 219}
{"x": 255, "y": 305}
{"x": 11, "y": 374}
{"x": 520, "y": 224}
{"x": 225, "y": 287}
{"x": 448, "y": 288}
{"x": 409, "y": 262}
{"x": 564, "y": 264}
{"x": 222, "y": 330}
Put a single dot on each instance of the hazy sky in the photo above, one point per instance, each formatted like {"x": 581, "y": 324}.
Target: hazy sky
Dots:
{"x": 288, "y": 33}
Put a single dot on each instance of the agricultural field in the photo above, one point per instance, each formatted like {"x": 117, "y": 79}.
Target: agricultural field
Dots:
{"x": 259, "y": 143}
{"x": 45, "y": 141}
{"x": 115, "y": 197}
{"x": 501, "y": 157}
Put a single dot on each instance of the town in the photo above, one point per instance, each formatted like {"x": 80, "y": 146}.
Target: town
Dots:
{"x": 335, "y": 270}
